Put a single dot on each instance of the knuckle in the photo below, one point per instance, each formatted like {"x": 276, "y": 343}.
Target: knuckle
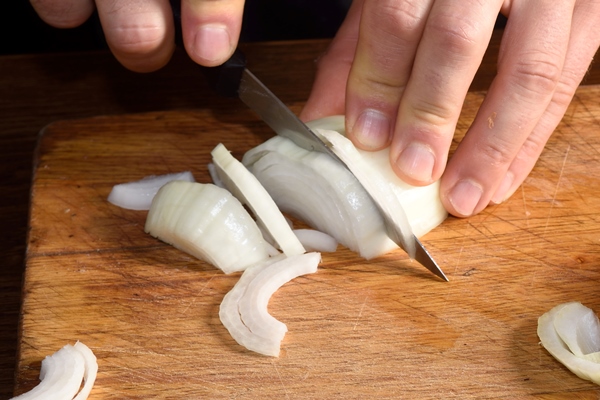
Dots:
{"x": 457, "y": 35}
{"x": 432, "y": 113}
{"x": 137, "y": 39}
{"x": 401, "y": 16}
{"x": 496, "y": 154}
{"x": 537, "y": 75}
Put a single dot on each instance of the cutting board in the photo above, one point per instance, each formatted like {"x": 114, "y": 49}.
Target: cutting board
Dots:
{"x": 384, "y": 328}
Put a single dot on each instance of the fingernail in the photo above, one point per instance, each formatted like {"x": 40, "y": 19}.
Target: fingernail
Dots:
{"x": 212, "y": 42}
{"x": 465, "y": 196}
{"x": 502, "y": 191}
{"x": 417, "y": 161}
{"x": 372, "y": 129}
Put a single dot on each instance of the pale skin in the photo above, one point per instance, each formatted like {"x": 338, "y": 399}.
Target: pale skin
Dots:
{"x": 400, "y": 70}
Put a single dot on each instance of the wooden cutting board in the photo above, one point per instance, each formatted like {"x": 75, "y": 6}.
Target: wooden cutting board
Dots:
{"x": 384, "y": 328}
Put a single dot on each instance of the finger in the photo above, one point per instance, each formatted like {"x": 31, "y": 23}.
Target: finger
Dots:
{"x": 140, "y": 33}
{"x": 449, "y": 54}
{"x": 389, "y": 34}
{"x": 211, "y": 29}
{"x": 584, "y": 41}
{"x": 530, "y": 63}
{"x": 327, "y": 96}
{"x": 63, "y": 14}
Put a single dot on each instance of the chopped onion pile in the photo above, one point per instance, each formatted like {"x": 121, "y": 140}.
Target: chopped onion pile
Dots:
{"x": 571, "y": 333}
{"x": 207, "y": 222}
{"x": 244, "y": 311}
{"x": 62, "y": 374}
{"x": 138, "y": 195}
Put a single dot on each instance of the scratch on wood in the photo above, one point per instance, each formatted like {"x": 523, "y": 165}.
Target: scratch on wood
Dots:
{"x": 362, "y": 307}
{"x": 562, "y": 168}
{"x": 287, "y": 396}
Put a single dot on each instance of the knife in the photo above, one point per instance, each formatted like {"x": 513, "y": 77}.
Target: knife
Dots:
{"x": 233, "y": 79}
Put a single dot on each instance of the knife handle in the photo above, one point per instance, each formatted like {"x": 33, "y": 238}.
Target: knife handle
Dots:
{"x": 224, "y": 79}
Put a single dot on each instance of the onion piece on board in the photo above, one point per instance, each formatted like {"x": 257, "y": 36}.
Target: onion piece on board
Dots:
{"x": 316, "y": 189}
{"x": 578, "y": 326}
{"x": 62, "y": 373}
{"x": 206, "y": 222}
{"x": 244, "y": 311}
{"x": 248, "y": 190}
{"x": 314, "y": 240}
{"x": 138, "y": 195}
{"x": 561, "y": 351}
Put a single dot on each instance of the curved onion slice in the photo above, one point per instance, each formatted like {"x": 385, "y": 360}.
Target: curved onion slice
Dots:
{"x": 244, "y": 311}
{"x": 207, "y": 222}
{"x": 318, "y": 190}
{"x": 62, "y": 373}
{"x": 247, "y": 189}
{"x": 138, "y": 195}
{"x": 580, "y": 331}
{"x": 314, "y": 240}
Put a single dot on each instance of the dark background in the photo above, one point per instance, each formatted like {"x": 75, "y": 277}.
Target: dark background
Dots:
{"x": 21, "y": 30}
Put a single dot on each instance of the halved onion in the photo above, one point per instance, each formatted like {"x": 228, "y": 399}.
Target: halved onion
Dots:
{"x": 138, "y": 195}
{"x": 244, "y": 310}
{"x": 207, "y": 222}
{"x": 570, "y": 332}
{"x": 320, "y": 191}
{"x": 248, "y": 190}
{"x": 62, "y": 373}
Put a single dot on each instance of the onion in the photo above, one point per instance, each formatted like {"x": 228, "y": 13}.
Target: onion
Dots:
{"x": 207, "y": 222}
{"x": 138, "y": 195}
{"x": 571, "y": 334}
{"x": 320, "y": 191}
{"x": 314, "y": 240}
{"x": 62, "y": 373}
{"x": 248, "y": 190}
{"x": 244, "y": 311}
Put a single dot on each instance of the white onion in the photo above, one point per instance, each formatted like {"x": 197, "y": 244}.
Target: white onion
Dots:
{"x": 244, "y": 310}
{"x": 138, "y": 195}
{"x": 318, "y": 190}
{"x": 207, "y": 222}
{"x": 570, "y": 332}
{"x": 62, "y": 373}
{"x": 314, "y": 240}
{"x": 248, "y": 190}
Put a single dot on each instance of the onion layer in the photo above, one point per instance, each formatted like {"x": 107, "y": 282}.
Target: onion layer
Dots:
{"x": 244, "y": 311}
{"x": 138, "y": 195}
{"x": 571, "y": 333}
{"x": 62, "y": 373}
{"x": 207, "y": 222}
{"x": 248, "y": 190}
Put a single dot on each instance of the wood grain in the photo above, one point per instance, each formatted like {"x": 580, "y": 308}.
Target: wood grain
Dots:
{"x": 383, "y": 328}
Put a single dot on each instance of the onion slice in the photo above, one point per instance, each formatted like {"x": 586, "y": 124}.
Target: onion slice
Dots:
{"x": 138, "y": 195}
{"x": 244, "y": 310}
{"x": 248, "y": 190}
{"x": 559, "y": 339}
{"x": 206, "y": 222}
{"x": 314, "y": 240}
{"x": 62, "y": 373}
